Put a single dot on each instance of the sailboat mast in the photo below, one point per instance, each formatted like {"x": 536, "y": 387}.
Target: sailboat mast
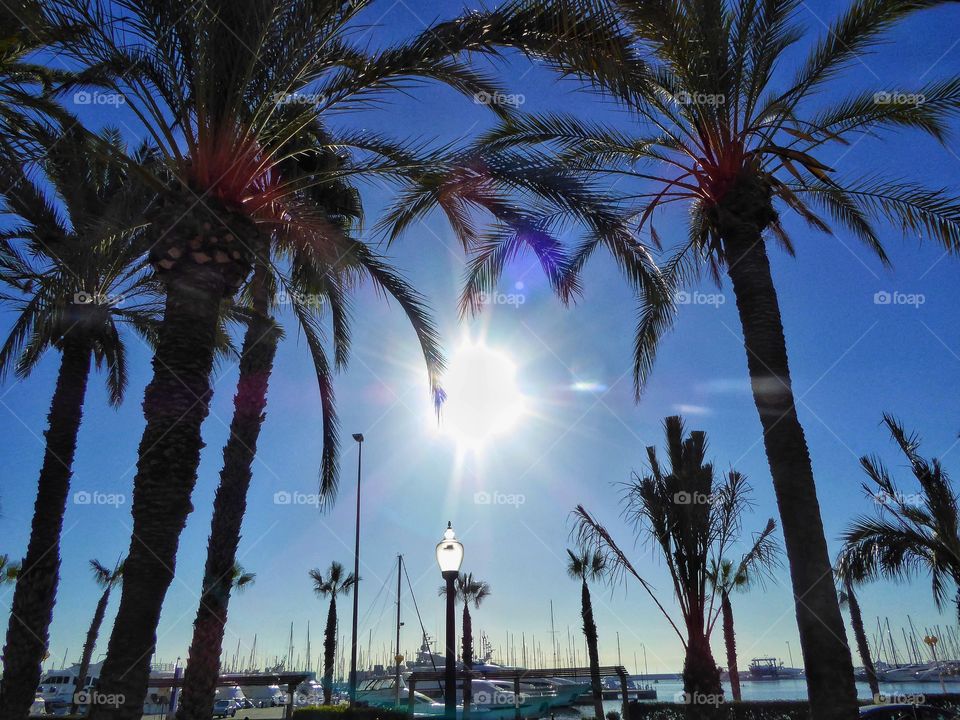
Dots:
{"x": 397, "y": 657}
{"x": 553, "y": 635}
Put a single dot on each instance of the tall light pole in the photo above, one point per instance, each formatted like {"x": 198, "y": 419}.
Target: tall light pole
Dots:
{"x": 356, "y": 574}
{"x": 449, "y": 558}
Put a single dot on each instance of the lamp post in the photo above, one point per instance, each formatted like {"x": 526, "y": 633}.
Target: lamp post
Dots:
{"x": 356, "y": 574}
{"x": 449, "y": 558}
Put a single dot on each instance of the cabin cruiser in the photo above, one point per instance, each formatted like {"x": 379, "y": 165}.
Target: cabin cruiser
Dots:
{"x": 265, "y": 695}
{"x": 772, "y": 669}
{"x": 488, "y": 700}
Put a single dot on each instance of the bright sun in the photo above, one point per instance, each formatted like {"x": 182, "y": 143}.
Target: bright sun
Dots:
{"x": 483, "y": 399}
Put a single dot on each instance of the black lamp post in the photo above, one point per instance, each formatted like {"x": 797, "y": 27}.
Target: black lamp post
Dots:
{"x": 449, "y": 558}
{"x": 356, "y": 574}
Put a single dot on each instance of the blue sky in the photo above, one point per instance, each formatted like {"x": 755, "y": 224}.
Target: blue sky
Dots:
{"x": 852, "y": 359}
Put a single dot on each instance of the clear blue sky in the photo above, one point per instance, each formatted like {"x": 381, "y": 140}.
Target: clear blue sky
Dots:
{"x": 851, "y": 359}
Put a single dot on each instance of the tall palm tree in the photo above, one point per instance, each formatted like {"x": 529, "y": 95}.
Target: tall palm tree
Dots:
{"x": 727, "y": 131}
{"x": 585, "y": 565}
{"x": 692, "y": 519}
{"x": 106, "y": 578}
{"x": 911, "y": 533}
{"x": 205, "y": 79}
{"x": 727, "y": 577}
{"x": 305, "y": 279}
{"x": 74, "y": 275}
{"x": 336, "y": 582}
{"x": 468, "y": 590}
{"x": 849, "y": 598}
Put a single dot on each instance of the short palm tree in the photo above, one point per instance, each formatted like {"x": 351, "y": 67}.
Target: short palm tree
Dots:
{"x": 727, "y": 577}
{"x": 586, "y": 565}
{"x": 205, "y": 79}
{"x": 74, "y": 275}
{"x": 849, "y": 598}
{"x": 693, "y": 520}
{"x": 337, "y": 581}
{"x": 470, "y": 591}
{"x": 107, "y": 579}
{"x": 911, "y": 533}
{"x": 728, "y": 132}
{"x": 8, "y": 570}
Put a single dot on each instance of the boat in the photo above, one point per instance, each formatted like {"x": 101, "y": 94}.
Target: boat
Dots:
{"x": 768, "y": 668}
{"x": 489, "y": 700}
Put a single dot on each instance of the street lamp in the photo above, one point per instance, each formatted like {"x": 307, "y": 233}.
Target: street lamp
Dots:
{"x": 356, "y": 574}
{"x": 449, "y": 558}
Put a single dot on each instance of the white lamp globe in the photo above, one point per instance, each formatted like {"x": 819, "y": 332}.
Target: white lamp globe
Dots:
{"x": 449, "y": 552}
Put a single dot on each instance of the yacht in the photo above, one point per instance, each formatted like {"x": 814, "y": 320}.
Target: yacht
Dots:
{"x": 768, "y": 668}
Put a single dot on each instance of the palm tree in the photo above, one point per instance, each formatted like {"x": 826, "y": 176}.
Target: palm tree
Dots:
{"x": 336, "y": 582}
{"x": 468, "y": 589}
{"x": 849, "y": 598}
{"x": 205, "y": 79}
{"x": 74, "y": 276}
{"x": 107, "y": 579}
{"x": 740, "y": 145}
{"x": 692, "y": 519}
{"x": 8, "y": 570}
{"x": 311, "y": 278}
{"x": 727, "y": 577}
{"x": 585, "y": 565}
{"x": 911, "y": 533}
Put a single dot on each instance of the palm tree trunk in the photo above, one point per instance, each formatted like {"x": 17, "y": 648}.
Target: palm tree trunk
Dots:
{"x": 856, "y": 622}
{"x": 175, "y": 405}
{"x": 203, "y": 667}
{"x": 701, "y": 677}
{"x": 590, "y": 633}
{"x": 92, "y": 632}
{"x": 829, "y": 668}
{"x": 36, "y": 590}
{"x": 467, "y": 659}
{"x": 329, "y": 650}
{"x": 730, "y": 641}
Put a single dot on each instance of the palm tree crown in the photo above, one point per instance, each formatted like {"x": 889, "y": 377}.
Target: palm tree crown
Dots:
{"x": 336, "y": 582}
{"x": 911, "y": 533}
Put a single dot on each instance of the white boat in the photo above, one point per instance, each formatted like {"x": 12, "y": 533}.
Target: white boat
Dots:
{"x": 265, "y": 695}
{"x": 489, "y": 700}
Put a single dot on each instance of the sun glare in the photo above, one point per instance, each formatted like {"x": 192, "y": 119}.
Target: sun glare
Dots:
{"x": 483, "y": 399}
